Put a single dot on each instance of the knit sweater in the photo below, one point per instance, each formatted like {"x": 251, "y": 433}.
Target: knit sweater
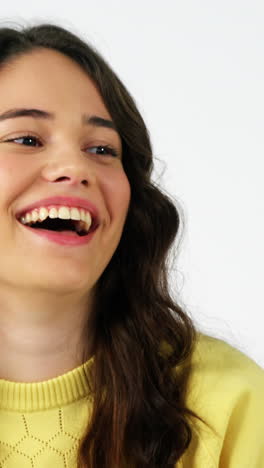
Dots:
{"x": 41, "y": 423}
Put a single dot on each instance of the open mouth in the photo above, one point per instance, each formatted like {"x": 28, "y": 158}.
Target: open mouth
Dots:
{"x": 65, "y": 226}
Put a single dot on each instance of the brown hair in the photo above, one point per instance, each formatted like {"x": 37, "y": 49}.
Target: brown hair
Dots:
{"x": 139, "y": 413}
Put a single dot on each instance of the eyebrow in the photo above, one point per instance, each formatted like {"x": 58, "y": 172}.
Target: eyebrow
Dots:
{"x": 93, "y": 120}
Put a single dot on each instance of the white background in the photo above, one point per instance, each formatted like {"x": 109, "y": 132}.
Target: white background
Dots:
{"x": 196, "y": 72}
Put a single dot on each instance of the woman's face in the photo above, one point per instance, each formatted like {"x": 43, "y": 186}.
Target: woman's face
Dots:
{"x": 60, "y": 160}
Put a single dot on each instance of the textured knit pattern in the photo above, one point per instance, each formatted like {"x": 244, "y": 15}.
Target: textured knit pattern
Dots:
{"x": 47, "y": 439}
{"x": 41, "y": 423}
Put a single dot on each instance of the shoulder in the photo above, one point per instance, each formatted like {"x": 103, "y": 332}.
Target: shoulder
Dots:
{"x": 225, "y": 388}
{"x": 215, "y": 362}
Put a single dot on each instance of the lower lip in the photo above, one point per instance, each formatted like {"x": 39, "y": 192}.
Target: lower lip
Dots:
{"x": 62, "y": 239}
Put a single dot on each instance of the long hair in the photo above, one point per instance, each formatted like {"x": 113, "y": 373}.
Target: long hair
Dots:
{"x": 143, "y": 338}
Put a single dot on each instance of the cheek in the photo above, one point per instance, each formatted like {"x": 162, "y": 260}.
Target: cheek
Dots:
{"x": 13, "y": 169}
{"x": 6, "y": 170}
{"x": 123, "y": 193}
{"x": 117, "y": 195}
{"x": 10, "y": 180}
{"x": 15, "y": 177}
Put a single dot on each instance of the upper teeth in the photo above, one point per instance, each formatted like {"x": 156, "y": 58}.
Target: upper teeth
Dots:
{"x": 63, "y": 212}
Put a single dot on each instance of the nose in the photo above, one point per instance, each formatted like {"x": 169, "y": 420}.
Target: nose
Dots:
{"x": 70, "y": 167}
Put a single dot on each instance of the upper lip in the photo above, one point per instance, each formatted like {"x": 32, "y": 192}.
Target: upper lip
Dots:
{"x": 63, "y": 201}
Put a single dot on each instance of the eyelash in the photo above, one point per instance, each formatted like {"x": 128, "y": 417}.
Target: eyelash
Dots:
{"x": 108, "y": 148}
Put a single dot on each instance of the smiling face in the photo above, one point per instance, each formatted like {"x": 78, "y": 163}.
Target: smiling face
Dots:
{"x": 61, "y": 159}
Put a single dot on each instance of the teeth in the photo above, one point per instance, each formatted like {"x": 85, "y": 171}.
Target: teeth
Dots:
{"x": 62, "y": 212}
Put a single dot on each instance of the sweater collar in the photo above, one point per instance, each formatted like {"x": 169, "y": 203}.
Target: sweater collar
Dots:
{"x": 38, "y": 396}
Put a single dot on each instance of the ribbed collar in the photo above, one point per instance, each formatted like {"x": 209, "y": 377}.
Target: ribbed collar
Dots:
{"x": 52, "y": 393}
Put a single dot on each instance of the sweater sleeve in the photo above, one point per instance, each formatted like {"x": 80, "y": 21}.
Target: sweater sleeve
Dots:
{"x": 227, "y": 391}
{"x": 243, "y": 439}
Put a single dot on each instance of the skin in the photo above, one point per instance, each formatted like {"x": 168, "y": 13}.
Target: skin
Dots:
{"x": 46, "y": 290}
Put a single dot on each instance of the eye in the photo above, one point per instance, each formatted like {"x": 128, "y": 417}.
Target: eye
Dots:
{"x": 106, "y": 149}
{"x": 24, "y": 137}
{"x": 102, "y": 149}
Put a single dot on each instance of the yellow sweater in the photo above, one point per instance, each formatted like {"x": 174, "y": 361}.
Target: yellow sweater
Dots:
{"x": 41, "y": 423}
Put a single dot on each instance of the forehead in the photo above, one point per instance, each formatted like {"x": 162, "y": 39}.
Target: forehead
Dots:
{"x": 48, "y": 78}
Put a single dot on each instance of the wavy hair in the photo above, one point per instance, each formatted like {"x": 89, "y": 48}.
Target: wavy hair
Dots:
{"x": 144, "y": 341}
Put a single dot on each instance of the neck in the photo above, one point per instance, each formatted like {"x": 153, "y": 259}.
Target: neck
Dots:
{"x": 41, "y": 339}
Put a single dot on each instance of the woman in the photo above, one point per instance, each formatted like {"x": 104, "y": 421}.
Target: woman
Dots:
{"x": 99, "y": 366}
